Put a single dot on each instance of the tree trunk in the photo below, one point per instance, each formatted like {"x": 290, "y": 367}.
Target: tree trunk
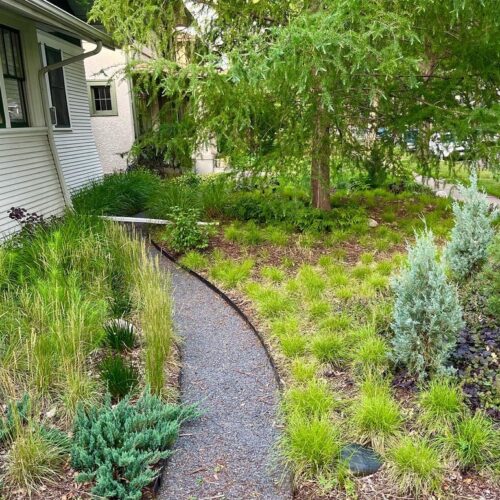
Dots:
{"x": 320, "y": 165}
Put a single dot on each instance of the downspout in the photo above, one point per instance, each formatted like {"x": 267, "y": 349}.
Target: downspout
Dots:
{"x": 48, "y": 118}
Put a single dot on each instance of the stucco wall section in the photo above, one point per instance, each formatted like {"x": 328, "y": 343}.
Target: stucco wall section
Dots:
{"x": 114, "y": 135}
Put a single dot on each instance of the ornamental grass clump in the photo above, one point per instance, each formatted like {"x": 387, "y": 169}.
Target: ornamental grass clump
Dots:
{"x": 194, "y": 260}
{"x": 153, "y": 296}
{"x": 119, "y": 376}
{"x": 293, "y": 345}
{"x": 442, "y": 404}
{"x": 415, "y": 466}
{"x": 427, "y": 315}
{"x": 313, "y": 399}
{"x": 311, "y": 444}
{"x": 475, "y": 442}
{"x": 370, "y": 355}
{"x": 473, "y": 231}
{"x": 376, "y": 416}
{"x": 331, "y": 348}
{"x": 120, "y": 334}
{"x": 229, "y": 273}
{"x": 33, "y": 459}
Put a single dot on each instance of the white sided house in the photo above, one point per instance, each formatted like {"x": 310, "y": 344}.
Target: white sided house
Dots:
{"x": 47, "y": 148}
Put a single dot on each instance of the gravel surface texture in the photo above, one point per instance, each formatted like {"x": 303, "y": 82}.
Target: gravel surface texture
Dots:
{"x": 229, "y": 452}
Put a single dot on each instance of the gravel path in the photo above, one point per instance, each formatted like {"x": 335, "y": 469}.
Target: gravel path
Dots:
{"x": 229, "y": 452}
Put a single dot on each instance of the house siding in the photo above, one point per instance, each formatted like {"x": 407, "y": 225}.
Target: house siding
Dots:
{"x": 28, "y": 175}
{"x": 28, "y": 178}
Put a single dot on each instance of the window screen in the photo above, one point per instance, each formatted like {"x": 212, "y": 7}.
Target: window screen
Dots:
{"x": 58, "y": 89}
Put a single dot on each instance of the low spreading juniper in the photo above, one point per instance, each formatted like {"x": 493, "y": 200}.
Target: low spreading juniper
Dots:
{"x": 116, "y": 447}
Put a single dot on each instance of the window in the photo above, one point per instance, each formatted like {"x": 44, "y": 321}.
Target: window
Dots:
{"x": 57, "y": 89}
{"x": 3, "y": 122}
{"x": 13, "y": 80}
{"x": 102, "y": 97}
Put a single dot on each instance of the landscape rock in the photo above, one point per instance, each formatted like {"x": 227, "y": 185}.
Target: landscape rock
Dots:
{"x": 362, "y": 461}
{"x": 372, "y": 223}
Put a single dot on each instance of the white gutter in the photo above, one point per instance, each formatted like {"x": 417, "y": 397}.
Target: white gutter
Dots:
{"x": 48, "y": 119}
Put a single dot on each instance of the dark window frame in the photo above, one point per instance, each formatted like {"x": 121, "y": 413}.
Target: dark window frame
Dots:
{"x": 3, "y": 120}
{"x": 18, "y": 75}
{"x": 57, "y": 88}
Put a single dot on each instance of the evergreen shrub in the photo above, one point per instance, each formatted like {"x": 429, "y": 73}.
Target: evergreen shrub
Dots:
{"x": 427, "y": 315}
{"x": 117, "y": 447}
{"x": 473, "y": 231}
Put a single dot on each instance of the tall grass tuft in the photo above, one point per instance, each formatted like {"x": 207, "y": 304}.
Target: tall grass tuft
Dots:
{"x": 313, "y": 399}
{"x": 230, "y": 273}
{"x": 331, "y": 348}
{"x": 311, "y": 445}
{"x": 120, "y": 377}
{"x": 194, "y": 260}
{"x": 370, "y": 355}
{"x": 153, "y": 296}
{"x": 32, "y": 460}
{"x": 117, "y": 194}
{"x": 375, "y": 414}
{"x": 475, "y": 442}
{"x": 170, "y": 195}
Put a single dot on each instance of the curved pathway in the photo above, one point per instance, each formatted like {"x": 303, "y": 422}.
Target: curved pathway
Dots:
{"x": 443, "y": 188}
{"x": 228, "y": 453}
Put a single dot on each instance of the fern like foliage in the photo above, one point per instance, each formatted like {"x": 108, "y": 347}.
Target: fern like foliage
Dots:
{"x": 473, "y": 231}
{"x": 427, "y": 315}
{"x": 116, "y": 447}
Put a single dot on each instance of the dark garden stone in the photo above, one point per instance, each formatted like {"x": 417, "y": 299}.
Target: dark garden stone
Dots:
{"x": 362, "y": 461}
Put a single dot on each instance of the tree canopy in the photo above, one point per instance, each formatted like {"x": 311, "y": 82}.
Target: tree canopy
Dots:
{"x": 276, "y": 80}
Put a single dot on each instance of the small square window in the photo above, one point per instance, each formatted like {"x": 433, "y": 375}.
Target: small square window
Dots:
{"x": 102, "y": 97}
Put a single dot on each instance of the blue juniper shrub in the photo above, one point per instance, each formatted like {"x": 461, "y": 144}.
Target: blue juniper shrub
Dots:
{"x": 116, "y": 447}
{"x": 427, "y": 315}
{"x": 473, "y": 231}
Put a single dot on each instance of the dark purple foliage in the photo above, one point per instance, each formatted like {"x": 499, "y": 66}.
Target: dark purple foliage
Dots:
{"x": 28, "y": 221}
